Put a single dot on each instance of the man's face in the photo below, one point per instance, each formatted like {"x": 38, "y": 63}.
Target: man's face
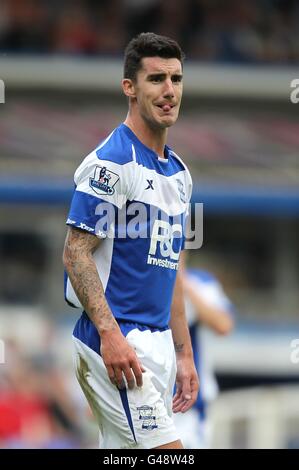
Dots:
{"x": 158, "y": 90}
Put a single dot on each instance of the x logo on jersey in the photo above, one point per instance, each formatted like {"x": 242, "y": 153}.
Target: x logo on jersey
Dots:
{"x": 150, "y": 184}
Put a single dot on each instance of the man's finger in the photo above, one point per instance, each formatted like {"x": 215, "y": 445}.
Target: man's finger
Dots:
{"x": 186, "y": 390}
{"x": 120, "y": 383}
{"x": 111, "y": 375}
{"x": 137, "y": 370}
{"x": 178, "y": 402}
{"x": 182, "y": 406}
{"x": 177, "y": 398}
{"x": 129, "y": 377}
{"x": 186, "y": 406}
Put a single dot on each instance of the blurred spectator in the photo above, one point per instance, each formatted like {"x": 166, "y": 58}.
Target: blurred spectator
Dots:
{"x": 110, "y": 28}
{"x": 73, "y": 31}
{"x": 212, "y": 30}
{"x": 140, "y": 16}
{"x": 173, "y": 20}
{"x": 26, "y": 26}
{"x": 36, "y": 408}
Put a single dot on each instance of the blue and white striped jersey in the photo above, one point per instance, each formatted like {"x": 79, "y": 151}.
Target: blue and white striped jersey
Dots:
{"x": 137, "y": 202}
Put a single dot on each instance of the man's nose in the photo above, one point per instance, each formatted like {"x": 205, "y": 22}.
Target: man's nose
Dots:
{"x": 168, "y": 88}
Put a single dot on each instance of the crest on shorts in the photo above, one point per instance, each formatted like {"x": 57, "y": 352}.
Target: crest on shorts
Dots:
{"x": 147, "y": 416}
{"x": 103, "y": 181}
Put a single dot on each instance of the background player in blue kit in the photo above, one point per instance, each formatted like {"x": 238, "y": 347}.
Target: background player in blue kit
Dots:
{"x": 133, "y": 330}
{"x": 208, "y": 310}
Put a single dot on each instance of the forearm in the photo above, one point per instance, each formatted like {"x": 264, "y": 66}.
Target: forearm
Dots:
{"x": 186, "y": 377}
{"x": 84, "y": 277}
{"x": 86, "y": 283}
{"x": 178, "y": 322}
{"x": 181, "y": 336}
{"x": 213, "y": 317}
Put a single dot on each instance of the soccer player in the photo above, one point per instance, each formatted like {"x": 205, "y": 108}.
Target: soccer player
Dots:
{"x": 208, "y": 309}
{"x": 132, "y": 341}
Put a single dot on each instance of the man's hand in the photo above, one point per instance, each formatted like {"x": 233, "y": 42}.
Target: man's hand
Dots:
{"x": 187, "y": 385}
{"x": 120, "y": 360}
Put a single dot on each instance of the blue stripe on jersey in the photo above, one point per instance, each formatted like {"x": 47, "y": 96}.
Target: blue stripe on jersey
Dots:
{"x": 118, "y": 149}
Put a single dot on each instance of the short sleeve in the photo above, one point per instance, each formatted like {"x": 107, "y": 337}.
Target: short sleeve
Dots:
{"x": 101, "y": 187}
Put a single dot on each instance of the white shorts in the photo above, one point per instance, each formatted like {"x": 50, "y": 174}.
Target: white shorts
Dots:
{"x": 140, "y": 418}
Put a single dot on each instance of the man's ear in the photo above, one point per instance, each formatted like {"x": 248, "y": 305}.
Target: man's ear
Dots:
{"x": 129, "y": 88}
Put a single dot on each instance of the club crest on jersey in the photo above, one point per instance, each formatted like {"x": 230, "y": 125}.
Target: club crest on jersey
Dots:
{"x": 181, "y": 190}
{"x": 146, "y": 415}
{"x": 103, "y": 181}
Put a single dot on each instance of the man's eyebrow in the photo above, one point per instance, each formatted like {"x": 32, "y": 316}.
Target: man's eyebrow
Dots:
{"x": 156, "y": 74}
{"x": 163, "y": 74}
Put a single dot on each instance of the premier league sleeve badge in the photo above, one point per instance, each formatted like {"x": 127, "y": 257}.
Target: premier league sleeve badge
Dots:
{"x": 103, "y": 181}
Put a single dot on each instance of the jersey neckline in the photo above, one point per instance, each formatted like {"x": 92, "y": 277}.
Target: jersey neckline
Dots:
{"x": 134, "y": 137}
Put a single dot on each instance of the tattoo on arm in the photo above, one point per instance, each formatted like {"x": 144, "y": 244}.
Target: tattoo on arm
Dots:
{"x": 83, "y": 274}
{"x": 178, "y": 347}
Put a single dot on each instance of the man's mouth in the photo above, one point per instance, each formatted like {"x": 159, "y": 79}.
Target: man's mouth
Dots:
{"x": 166, "y": 107}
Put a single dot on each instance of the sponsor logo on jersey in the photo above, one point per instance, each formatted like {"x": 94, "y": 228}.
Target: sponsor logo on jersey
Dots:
{"x": 103, "y": 181}
{"x": 150, "y": 184}
{"x": 81, "y": 225}
{"x": 85, "y": 227}
{"x": 146, "y": 415}
{"x": 163, "y": 235}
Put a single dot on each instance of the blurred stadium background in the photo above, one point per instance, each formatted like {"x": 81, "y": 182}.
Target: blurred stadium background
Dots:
{"x": 61, "y": 63}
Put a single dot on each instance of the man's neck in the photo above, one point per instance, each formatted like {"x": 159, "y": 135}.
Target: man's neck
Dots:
{"x": 155, "y": 139}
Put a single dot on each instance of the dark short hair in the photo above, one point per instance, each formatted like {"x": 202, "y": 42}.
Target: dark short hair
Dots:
{"x": 149, "y": 45}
